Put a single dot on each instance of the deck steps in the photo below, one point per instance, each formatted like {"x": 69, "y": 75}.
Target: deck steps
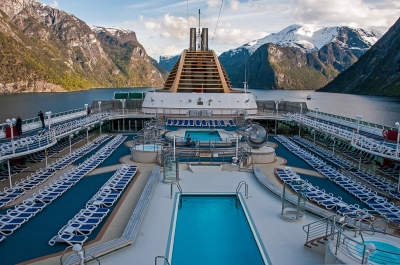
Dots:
{"x": 205, "y": 168}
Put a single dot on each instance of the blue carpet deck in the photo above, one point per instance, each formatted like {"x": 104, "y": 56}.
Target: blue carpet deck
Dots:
{"x": 113, "y": 159}
{"x": 83, "y": 158}
{"x": 292, "y": 160}
{"x": 31, "y": 240}
{"x": 331, "y": 187}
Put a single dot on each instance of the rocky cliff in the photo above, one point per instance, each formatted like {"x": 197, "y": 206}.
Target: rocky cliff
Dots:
{"x": 298, "y": 57}
{"x": 45, "y": 49}
{"x": 377, "y": 72}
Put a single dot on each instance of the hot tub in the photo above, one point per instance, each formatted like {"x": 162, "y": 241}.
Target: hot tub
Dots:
{"x": 145, "y": 153}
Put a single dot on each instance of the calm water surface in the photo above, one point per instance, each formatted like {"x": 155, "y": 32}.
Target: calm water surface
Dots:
{"x": 376, "y": 109}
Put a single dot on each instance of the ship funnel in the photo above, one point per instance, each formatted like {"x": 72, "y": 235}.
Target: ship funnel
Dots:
{"x": 192, "y": 40}
{"x": 204, "y": 39}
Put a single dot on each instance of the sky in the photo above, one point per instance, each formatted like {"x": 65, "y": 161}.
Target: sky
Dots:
{"x": 162, "y": 27}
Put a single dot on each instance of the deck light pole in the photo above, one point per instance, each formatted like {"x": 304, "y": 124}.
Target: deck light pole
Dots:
{"x": 9, "y": 173}
{"x": 48, "y": 113}
{"x": 70, "y": 145}
{"x": 334, "y": 142}
{"x": 397, "y": 149}
{"x": 316, "y": 113}
{"x": 123, "y": 106}
{"x": 313, "y": 132}
{"x": 11, "y": 124}
{"x": 86, "y": 108}
{"x": 398, "y": 138}
{"x": 100, "y": 115}
{"x": 358, "y": 117}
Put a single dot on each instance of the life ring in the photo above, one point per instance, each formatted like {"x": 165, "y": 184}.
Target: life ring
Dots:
{"x": 385, "y": 133}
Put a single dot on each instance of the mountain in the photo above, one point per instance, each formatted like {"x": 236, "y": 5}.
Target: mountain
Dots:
{"x": 168, "y": 61}
{"x": 44, "y": 49}
{"x": 377, "y": 72}
{"x": 298, "y": 57}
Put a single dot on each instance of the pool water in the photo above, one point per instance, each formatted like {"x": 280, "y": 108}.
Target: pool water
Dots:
{"x": 211, "y": 230}
{"x": 147, "y": 147}
{"x": 386, "y": 253}
{"x": 203, "y": 135}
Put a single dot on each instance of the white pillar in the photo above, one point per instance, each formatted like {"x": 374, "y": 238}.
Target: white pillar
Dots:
{"x": 70, "y": 144}
{"x": 48, "y": 113}
{"x": 99, "y": 102}
{"x": 237, "y": 145}
{"x": 11, "y": 124}
{"x": 9, "y": 173}
{"x": 174, "y": 148}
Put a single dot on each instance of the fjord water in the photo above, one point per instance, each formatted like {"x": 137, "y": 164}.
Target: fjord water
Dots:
{"x": 375, "y": 109}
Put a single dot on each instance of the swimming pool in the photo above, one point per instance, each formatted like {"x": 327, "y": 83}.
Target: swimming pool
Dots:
{"x": 148, "y": 147}
{"x": 386, "y": 252}
{"x": 204, "y": 135}
{"x": 210, "y": 229}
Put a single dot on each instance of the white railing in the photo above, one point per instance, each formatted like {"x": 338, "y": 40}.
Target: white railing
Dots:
{"x": 45, "y": 139}
{"x": 358, "y": 141}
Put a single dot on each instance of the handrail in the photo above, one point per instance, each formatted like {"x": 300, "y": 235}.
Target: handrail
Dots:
{"x": 246, "y": 190}
{"x": 161, "y": 257}
{"x": 53, "y": 115}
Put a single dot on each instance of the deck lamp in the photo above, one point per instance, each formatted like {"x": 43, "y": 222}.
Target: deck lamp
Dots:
{"x": 48, "y": 113}
{"x": 316, "y": 113}
{"x": 70, "y": 145}
{"x": 123, "y": 105}
{"x": 397, "y": 149}
{"x": 86, "y": 107}
{"x": 370, "y": 248}
{"x": 358, "y": 117}
{"x": 99, "y": 102}
{"x": 11, "y": 124}
{"x": 77, "y": 248}
{"x": 397, "y": 124}
{"x": 313, "y": 132}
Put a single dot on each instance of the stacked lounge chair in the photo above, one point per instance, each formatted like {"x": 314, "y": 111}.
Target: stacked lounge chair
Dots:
{"x": 51, "y": 192}
{"x": 88, "y": 219}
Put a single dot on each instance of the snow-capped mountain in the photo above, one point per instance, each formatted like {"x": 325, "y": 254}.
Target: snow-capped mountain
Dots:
{"x": 310, "y": 38}
{"x": 299, "y": 56}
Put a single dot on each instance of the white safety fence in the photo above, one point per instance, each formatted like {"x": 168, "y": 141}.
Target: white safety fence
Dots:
{"x": 358, "y": 141}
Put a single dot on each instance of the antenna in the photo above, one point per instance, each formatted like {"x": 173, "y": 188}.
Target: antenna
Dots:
{"x": 199, "y": 20}
{"x": 199, "y": 40}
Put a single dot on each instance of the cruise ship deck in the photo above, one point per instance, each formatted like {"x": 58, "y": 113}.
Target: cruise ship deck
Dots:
{"x": 110, "y": 181}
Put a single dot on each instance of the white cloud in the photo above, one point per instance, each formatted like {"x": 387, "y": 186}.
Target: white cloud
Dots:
{"x": 54, "y": 4}
{"x": 213, "y": 3}
{"x": 234, "y": 5}
{"x": 357, "y": 13}
{"x": 141, "y": 17}
{"x": 236, "y": 36}
{"x": 170, "y": 26}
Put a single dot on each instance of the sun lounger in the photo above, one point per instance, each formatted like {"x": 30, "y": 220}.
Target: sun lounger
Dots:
{"x": 191, "y": 123}
{"x": 8, "y": 229}
{"x": 77, "y": 228}
{"x": 222, "y": 123}
{"x": 231, "y": 123}
{"x": 204, "y": 123}
{"x": 169, "y": 122}
{"x": 185, "y": 123}
{"x": 70, "y": 239}
{"x": 198, "y": 123}
{"x": 6, "y": 220}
